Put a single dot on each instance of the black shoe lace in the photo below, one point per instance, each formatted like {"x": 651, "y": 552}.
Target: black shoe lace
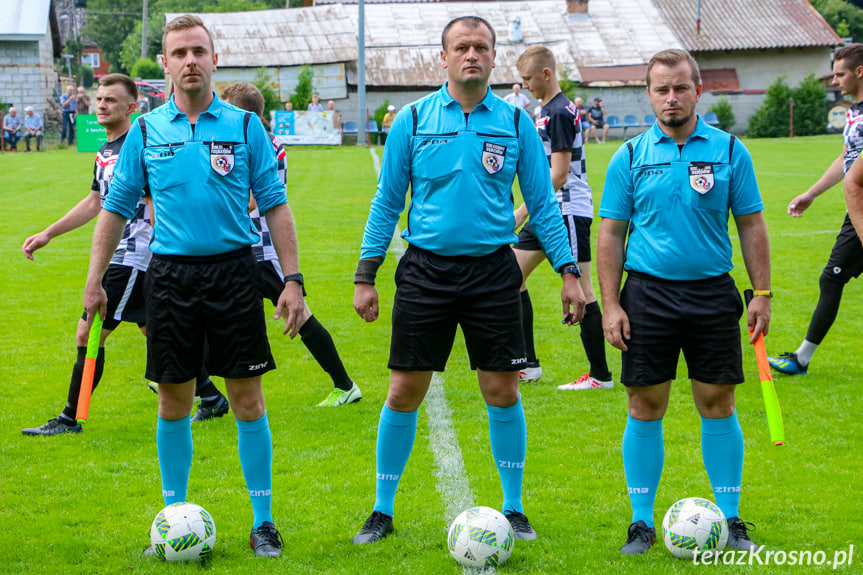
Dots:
{"x": 269, "y": 535}
{"x": 518, "y": 521}
{"x": 375, "y": 523}
{"x": 640, "y": 532}
{"x": 740, "y": 529}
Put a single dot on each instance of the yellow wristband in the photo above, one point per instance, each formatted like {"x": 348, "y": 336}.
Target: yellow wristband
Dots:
{"x": 764, "y": 292}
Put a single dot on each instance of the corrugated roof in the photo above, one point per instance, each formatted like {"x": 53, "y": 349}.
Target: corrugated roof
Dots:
{"x": 746, "y": 24}
{"x": 315, "y": 35}
{"x": 403, "y": 39}
{"x": 24, "y": 19}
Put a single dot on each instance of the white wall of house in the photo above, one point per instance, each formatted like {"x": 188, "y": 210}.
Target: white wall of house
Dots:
{"x": 27, "y": 76}
{"x": 757, "y": 69}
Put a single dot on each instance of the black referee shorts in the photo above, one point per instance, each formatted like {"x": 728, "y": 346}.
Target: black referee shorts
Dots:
{"x": 435, "y": 294}
{"x": 701, "y": 318}
{"x": 205, "y": 307}
{"x": 846, "y": 259}
{"x": 124, "y": 287}
{"x": 577, "y": 230}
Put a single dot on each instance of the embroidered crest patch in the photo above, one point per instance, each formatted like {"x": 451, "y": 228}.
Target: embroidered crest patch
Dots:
{"x": 222, "y": 158}
{"x": 493, "y": 157}
{"x": 701, "y": 177}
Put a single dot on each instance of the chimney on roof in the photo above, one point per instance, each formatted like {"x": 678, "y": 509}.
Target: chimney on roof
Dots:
{"x": 515, "y": 30}
{"x": 576, "y": 6}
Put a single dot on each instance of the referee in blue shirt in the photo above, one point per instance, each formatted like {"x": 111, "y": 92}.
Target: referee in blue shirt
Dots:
{"x": 198, "y": 157}
{"x": 671, "y": 189}
{"x": 459, "y": 149}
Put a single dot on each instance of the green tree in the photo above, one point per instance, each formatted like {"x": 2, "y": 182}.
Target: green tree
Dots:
{"x": 303, "y": 92}
{"x": 108, "y": 24}
{"x": 570, "y": 88}
{"x": 724, "y": 113}
{"x": 146, "y": 69}
{"x": 810, "y": 113}
{"x": 771, "y": 119}
{"x": 837, "y": 12}
{"x": 270, "y": 94}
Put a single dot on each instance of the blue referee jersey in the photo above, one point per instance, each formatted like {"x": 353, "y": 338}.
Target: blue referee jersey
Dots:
{"x": 678, "y": 200}
{"x": 460, "y": 169}
{"x": 199, "y": 179}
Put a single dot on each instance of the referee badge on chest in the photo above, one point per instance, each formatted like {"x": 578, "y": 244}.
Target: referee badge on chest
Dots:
{"x": 493, "y": 157}
{"x": 701, "y": 177}
{"x": 221, "y": 158}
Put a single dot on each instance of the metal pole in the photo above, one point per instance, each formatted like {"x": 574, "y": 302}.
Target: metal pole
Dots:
{"x": 697, "y": 19}
{"x": 144, "y": 32}
{"x": 362, "y": 121}
{"x": 790, "y": 118}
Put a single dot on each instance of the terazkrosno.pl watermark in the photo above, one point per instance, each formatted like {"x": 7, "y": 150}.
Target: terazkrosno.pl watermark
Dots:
{"x": 775, "y": 557}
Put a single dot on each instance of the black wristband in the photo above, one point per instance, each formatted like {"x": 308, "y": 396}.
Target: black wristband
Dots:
{"x": 297, "y": 277}
{"x": 367, "y": 270}
{"x": 571, "y": 269}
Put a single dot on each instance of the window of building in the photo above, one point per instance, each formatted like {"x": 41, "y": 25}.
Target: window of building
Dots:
{"x": 91, "y": 60}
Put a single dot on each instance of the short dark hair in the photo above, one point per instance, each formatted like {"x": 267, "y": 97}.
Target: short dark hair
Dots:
{"x": 126, "y": 81}
{"x": 672, "y": 57}
{"x": 246, "y": 96}
{"x": 186, "y": 22}
{"x": 852, "y": 55}
{"x": 470, "y": 22}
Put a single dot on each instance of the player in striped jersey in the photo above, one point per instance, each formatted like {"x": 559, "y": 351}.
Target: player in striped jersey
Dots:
{"x": 314, "y": 335}
{"x": 846, "y": 259}
{"x": 124, "y": 280}
{"x": 559, "y": 128}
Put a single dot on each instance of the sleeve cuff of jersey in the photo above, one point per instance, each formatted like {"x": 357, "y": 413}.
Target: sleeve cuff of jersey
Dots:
{"x": 118, "y": 210}
{"x": 267, "y": 207}
{"x": 613, "y": 215}
{"x": 748, "y": 209}
{"x": 372, "y": 253}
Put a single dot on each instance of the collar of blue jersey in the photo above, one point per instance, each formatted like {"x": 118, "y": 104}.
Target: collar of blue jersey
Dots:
{"x": 487, "y": 102}
{"x": 215, "y": 108}
{"x": 701, "y": 131}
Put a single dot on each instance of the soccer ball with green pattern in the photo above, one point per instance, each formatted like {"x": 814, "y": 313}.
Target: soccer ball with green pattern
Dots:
{"x": 480, "y": 537}
{"x": 694, "y": 524}
{"x": 183, "y": 532}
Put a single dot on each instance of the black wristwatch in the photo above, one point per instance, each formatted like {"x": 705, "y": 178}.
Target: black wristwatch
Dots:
{"x": 297, "y": 277}
{"x": 571, "y": 269}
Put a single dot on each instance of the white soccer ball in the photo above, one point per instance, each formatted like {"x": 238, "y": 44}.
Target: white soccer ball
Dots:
{"x": 694, "y": 524}
{"x": 480, "y": 537}
{"x": 183, "y": 532}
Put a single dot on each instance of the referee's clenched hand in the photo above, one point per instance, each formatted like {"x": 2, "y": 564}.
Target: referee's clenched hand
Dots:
{"x": 366, "y": 301}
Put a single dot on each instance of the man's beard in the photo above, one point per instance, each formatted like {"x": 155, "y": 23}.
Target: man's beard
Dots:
{"x": 675, "y": 122}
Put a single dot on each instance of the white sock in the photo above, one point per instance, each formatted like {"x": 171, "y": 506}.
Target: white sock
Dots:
{"x": 805, "y": 352}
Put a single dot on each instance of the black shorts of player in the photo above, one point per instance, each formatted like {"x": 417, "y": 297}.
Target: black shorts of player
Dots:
{"x": 124, "y": 286}
{"x": 846, "y": 259}
{"x": 701, "y": 318}
{"x": 271, "y": 282}
{"x": 205, "y": 308}
{"x": 434, "y": 294}
{"x": 577, "y": 230}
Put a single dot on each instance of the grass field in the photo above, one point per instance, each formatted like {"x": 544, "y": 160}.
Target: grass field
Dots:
{"x": 83, "y": 504}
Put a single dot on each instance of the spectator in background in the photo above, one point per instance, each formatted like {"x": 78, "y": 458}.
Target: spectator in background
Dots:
{"x": 582, "y": 112}
{"x": 516, "y": 98}
{"x": 68, "y": 104}
{"x": 12, "y": 129}
{"x": 387, "y": 122}
{"x": 537, "y": 112}
{"x": 33, "y": 128}
{"x": 337, "y": 116}
{"x": 315, "y": 105}
{"x": 83, "y": 106}
{"x": 596, "y": 115}
{"x": 143, "y": 103}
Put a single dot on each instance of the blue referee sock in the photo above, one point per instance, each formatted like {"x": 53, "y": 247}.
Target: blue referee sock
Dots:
{"x": 255, "y": 445}
{"x": 643, "y": 458}
{"x": 174, "y": 445}
{"x": 722, "y": 450}
{"x": 508, "y": 433}
{"x": 396, "y": 433}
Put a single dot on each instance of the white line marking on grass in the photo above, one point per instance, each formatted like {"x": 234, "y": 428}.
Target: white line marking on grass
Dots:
{"x": 452, "y": 481}
{"x": 376, "y": 161}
